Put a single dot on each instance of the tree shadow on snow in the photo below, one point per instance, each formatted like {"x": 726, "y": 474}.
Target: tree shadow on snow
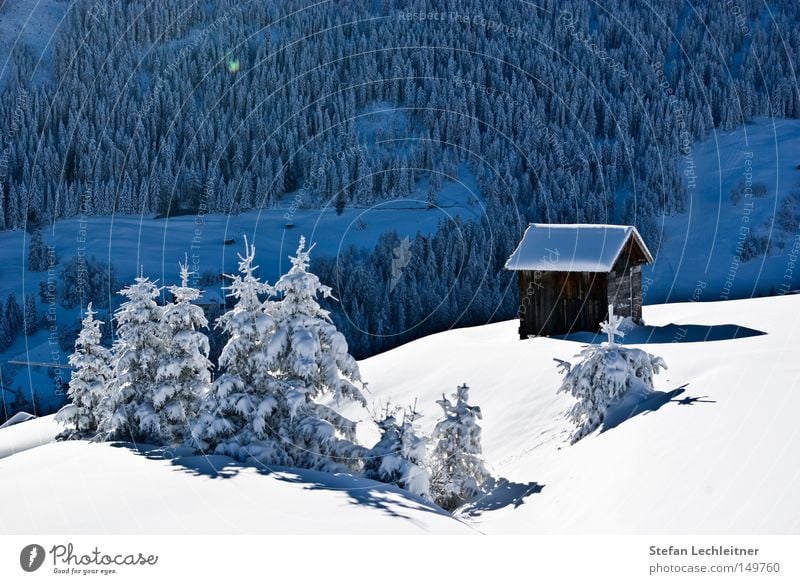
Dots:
{"x": 501, "y": 493}
{"x": 631, "y": 406}
{"x": 671, "y": 333}
{"x": 388, "y": 499}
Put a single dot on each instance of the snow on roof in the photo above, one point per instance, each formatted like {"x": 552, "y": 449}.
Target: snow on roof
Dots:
{"x": 572, "y": 247}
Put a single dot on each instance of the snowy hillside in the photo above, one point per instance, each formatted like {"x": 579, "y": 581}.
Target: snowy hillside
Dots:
{"x": 714, "y": 451}
{"x": 30, "y": 26}
{"x": 78, "y": 487}
{"x": 698, "y": 259}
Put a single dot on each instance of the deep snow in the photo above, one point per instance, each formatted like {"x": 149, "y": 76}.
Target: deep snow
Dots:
{"x": 81, "y": 487}
{"x": 714, "y": 450}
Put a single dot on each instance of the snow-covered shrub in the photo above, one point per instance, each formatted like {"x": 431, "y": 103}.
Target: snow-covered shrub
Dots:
{"x": 183, "y": 376}
{"x": 89, "y": 384}
{"x": 399, "y": 456}
{"x": 138, "y": 348}
{"x": 282, "y": 356}
{"x": 605, "y": 373}
{"x": 457, "y": 468}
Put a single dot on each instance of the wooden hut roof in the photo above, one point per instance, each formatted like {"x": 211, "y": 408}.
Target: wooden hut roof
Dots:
{"x": 573, "y": 247}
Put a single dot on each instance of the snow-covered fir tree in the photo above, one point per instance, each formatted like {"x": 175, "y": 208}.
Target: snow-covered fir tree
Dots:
{"x": 399, "y": 456}
{"x": 89, "y": 384}
{"x": 457, "y": 468}
{"x": 14, "y": 316}
{"x": 235, "y": 416}
{"x": 183, "y": 376}
{"x": 31, "y": 315}
{"x": 309, "y": 359}
{"x": 138, "y": 348}
{"x": 281, "y": 356}
{"x": 6, "y": 338}
{"x": 605, "y": 373}
{"x": 37, "y": 254}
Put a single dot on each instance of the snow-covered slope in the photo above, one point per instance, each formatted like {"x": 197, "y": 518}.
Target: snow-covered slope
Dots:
{"x": 32, "y": 25}
{"x": 718, "y": 455}
{"x": 26, "y": 435}
{"x": 80, "y": 487}
{"x": 698, "y": 257}
{"x": 715, "y": 451}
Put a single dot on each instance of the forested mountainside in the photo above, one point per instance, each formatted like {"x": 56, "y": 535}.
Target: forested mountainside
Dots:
{"x": 154, "y": 106}
{"x": 562, "y": 111}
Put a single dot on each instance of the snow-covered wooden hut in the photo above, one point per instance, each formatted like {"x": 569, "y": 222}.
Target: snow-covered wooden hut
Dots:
{"x": 570, "y": 274}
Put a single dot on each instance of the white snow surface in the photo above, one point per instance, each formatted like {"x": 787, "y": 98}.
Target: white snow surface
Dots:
{"x": 571, "y": 247}
{"x": 723, "y": 463}
{"x": 26, "y": 435}
{"x": 717, "y": 455}
{"x": 82, "y": 487}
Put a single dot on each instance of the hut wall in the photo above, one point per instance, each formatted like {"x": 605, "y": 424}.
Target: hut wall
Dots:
{"x": 625, "y": 283}
{"x": 554, "y": 303}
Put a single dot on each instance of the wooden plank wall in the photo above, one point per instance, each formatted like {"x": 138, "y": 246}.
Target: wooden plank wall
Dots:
{"x": 561, "y": 302}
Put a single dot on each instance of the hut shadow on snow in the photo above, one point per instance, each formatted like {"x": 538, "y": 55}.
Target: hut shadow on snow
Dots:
{"x": 671, "y": 333}
{"x": 360, "y": 491}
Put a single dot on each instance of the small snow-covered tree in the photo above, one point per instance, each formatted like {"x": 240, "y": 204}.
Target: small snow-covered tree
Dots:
{"x": 399, "y": 456}
{"x": 605, "y": 373}
{"x": 88, "y": 386}
{"x": 236, "y": 413}
{"x": 139, "y": 345}
{"x": 457, "y": 468}
{"x": 183, "y": 376}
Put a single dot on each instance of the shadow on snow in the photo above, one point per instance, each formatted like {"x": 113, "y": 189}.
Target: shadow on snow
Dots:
{"x": 389, "y": 499}
{"x": 501, "y": 493}
{"x": 671, "y": 333}
{"x": 631, "y": 406}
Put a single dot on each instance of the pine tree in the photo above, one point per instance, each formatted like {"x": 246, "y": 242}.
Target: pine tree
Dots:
{"x": 31, "y": 316}
{"x": 234, "y": 420}
{"x": 6, "y": 339}
{"x": 184, "y": 372}
{"x": 606, "y": 373}
{"x": 280, "y": 356}
{"x": 89, "y": 384}
{"x": 399, "y": 456}
{"x": 458, "y": 471}
{"x": 37, "y": 254}
{"x": 309, "y": 358}
{"x": 14, "y": 316}
{"x": 138, "y": 349}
